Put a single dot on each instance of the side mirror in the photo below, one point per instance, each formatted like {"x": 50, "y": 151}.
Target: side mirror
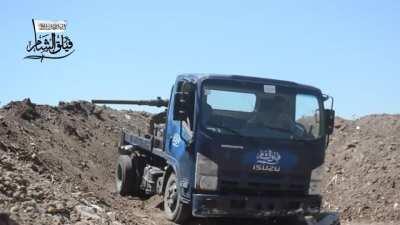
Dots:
{"x": 180, "y": 106}
{"x": 329, "y": 121}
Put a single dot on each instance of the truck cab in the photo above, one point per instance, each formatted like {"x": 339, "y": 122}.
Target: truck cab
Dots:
{"x": 233, "y": 146}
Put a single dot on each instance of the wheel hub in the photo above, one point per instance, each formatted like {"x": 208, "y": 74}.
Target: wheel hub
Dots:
{"x": 172, "y": 197}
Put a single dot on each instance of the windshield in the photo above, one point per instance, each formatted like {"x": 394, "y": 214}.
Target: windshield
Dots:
{"x": 256, "y": 110}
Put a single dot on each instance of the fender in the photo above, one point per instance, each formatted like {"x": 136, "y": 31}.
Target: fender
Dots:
{"x": 172, "y": 166}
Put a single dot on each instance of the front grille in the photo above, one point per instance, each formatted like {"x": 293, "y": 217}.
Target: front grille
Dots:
{"x": 262, "y": 188}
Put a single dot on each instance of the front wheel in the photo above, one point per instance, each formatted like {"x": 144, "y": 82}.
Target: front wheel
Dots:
{"x": 291, "y": 220}
{"x": 174, "y": 209}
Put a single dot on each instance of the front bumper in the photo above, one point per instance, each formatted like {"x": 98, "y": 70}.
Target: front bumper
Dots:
{"x": 213, "y": 205}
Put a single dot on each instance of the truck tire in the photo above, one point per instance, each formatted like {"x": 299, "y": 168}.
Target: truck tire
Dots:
{"x": 126, "y": 176}
{"x": 328, "y": 218}
{"x": 174, "y": 209}
{"x": 292, "y": 220}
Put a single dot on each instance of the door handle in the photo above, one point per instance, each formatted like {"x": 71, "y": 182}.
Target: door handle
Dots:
{"x": 170, "y": 143}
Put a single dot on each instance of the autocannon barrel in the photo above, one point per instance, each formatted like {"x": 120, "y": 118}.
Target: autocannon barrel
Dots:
{"x": 153, "y": 102}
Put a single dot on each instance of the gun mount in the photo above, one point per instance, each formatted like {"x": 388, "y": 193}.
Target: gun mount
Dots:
{"x": 159, "y": 102}
{"x": 158, "y": 118}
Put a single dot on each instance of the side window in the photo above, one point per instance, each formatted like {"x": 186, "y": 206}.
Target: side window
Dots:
{"x": 169, "y": 103}
{"x": 169, "y": 110}
{"x": 190, "y": 89}
{"x": 307, "y": 113}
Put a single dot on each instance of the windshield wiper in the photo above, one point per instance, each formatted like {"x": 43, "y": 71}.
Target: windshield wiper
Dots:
{"x": 227, "y": 129}
{"x": 279, "y": 129}
{"x": 293, "y": 135}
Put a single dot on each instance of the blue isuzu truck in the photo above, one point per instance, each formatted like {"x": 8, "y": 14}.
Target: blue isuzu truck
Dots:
{"x": 232, "y": 146}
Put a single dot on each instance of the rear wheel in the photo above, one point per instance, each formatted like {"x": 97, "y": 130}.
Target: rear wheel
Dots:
{"x": 174, "y": 209}
{"x": 126, "y": 177}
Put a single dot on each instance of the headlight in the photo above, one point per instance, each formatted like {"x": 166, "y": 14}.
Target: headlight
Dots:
{"x": 208, "y": 183}
{"x": 315, "y": 181}
{"x": 206, "y": 177}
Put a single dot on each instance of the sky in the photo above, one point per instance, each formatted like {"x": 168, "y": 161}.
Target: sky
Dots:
{"x": 135, "y": 49}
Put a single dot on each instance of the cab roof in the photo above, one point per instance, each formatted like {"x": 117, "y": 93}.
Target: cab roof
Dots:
{"x": 200, "y": 77}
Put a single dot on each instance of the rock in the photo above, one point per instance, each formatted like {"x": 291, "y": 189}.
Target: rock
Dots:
{"x": 70, "y": 129}
{"x": 51, "y": 209}
{"x": 86, "y": 212}
{"x": 111, "y": 216}
{"x": 97, "y": 208}
{"x": 56, "y": 207}
{"x": 98, "y": 113}
{"x": 28, "y": 110}
{"x": 17, "y": 195}
{"x": 14, "y": 209}
{"x": 353, "y": 144}
{"x": 57, "y": 220}
{"x": 30, "y": 203}
{"x": 74, "y": 216}
{"x": 112, "y": 117}
{"x": 29, "y": 209}
{"x": 85, "y": 222}
{"x": 71, "y": 203}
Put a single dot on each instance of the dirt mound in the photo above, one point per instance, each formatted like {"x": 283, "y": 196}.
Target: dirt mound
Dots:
{"x": 57, "y": 163}
{"x": 363, "y": 169}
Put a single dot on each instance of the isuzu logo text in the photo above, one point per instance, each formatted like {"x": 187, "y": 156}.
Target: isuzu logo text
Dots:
{"x": 268, "y": 161}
